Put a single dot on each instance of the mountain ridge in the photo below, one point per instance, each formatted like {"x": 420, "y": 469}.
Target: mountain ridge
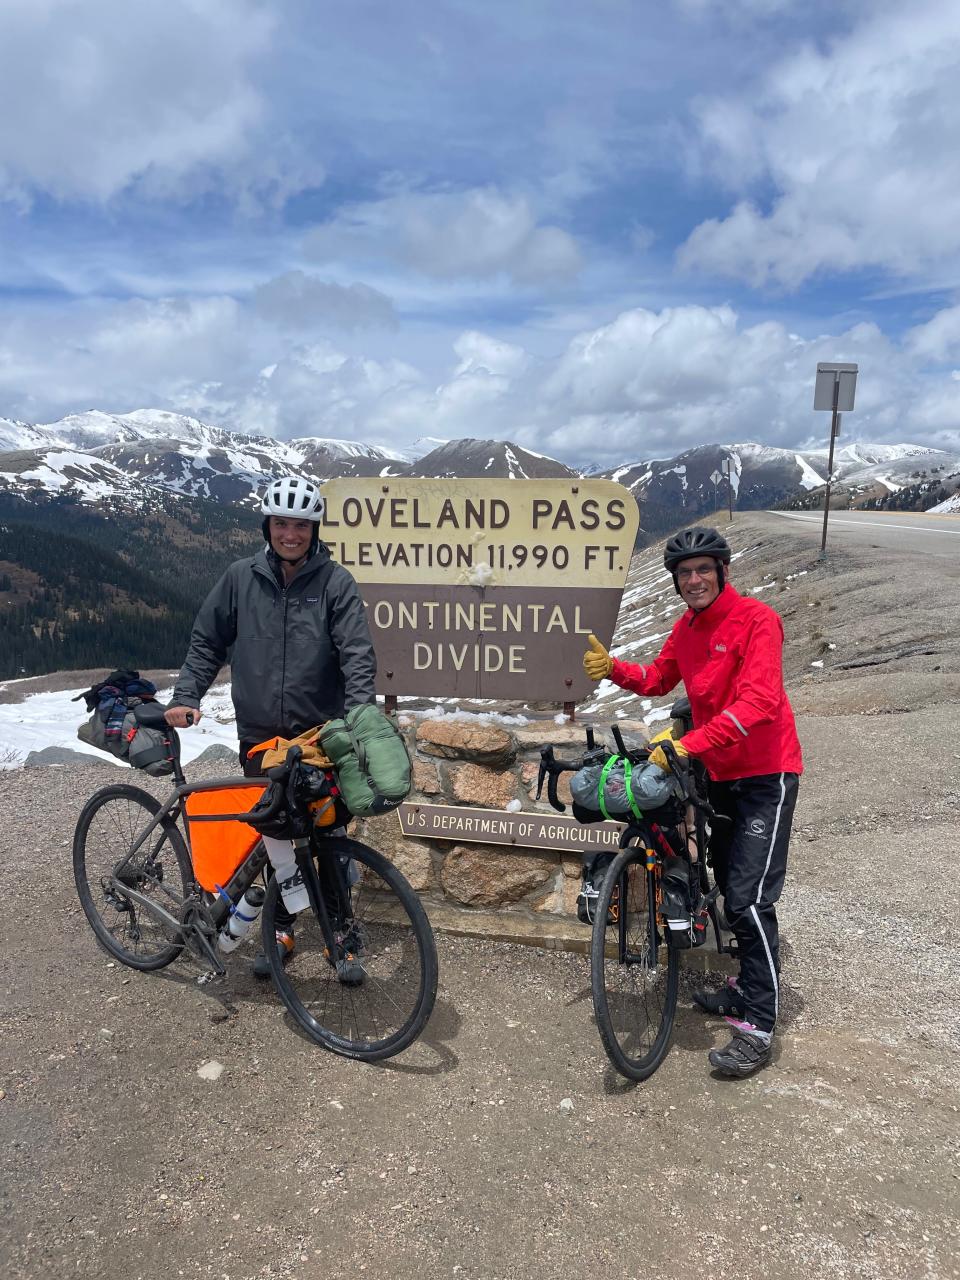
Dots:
{"x": 97, "y": 456}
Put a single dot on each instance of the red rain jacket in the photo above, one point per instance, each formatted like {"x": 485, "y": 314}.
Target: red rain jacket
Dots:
{"x": 729, "y": 659}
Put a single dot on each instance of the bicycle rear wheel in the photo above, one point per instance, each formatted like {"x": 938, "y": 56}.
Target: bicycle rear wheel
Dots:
{"x": 634, "y": 974}
{"x": 160, "y": 871}
{"x": 389, "y": 997}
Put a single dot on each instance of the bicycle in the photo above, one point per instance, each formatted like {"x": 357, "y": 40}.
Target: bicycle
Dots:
{"x": 363, "y": 978}
{"x": 640, "y": 929}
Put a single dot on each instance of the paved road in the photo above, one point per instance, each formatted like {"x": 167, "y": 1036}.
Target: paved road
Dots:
{"x": 899, "y": 531}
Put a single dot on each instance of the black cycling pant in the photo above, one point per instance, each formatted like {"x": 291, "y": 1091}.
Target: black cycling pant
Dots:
{"x": 749, "y": 860}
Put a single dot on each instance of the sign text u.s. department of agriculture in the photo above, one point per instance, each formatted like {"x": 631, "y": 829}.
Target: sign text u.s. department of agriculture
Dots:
{"x": 484, "y": 588}
{"x": 496, "y": 826}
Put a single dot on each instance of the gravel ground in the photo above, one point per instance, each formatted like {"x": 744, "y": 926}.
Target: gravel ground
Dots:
{"x": 503, "y": 1144}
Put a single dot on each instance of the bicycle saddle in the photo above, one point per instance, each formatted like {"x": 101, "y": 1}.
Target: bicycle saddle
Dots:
{"x": 150, "y": 715}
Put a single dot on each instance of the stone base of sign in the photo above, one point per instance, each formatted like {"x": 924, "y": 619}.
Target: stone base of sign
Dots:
{"x": 500, "y": 891}
{"x": 561, "y": 933}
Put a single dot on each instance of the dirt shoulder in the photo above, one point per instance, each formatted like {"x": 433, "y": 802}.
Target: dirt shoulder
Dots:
{"x": 841, "y": 1159}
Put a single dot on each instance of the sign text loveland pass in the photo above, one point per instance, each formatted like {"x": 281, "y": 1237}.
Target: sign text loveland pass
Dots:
{"x": 484, "y": 588}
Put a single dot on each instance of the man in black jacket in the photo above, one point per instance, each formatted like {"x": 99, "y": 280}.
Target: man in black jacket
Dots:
{"x": 302, "y": 652}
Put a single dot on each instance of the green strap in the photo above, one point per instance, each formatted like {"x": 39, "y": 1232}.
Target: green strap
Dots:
{"x": 627, "y": 775}
{"x": 601, "y": 785}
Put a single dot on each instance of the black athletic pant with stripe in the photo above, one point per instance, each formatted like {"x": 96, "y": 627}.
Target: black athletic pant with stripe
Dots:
{"x": 749, "y": 860}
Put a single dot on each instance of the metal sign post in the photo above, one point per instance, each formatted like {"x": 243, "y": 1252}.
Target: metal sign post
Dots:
{"x": 716, "y": 477}
{"x": 835, "y": 390}
{"x": 726, "y": 466}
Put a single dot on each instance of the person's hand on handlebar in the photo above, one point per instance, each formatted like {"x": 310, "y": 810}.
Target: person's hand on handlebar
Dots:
{"x": 597, "y": 663}
{"x": 182, "y": 717}
{"x": 658, "y": 755}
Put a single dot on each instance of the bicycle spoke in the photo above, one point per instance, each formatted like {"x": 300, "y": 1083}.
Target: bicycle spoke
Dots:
{"x": 104, "y": 864}
{"x": 376, "y": 1002}
{"x": 634, "y": 981}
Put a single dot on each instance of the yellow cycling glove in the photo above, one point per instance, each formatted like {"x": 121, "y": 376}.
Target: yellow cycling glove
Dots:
{"x": 597, "y": 663}
{"x": 658, "y": 756}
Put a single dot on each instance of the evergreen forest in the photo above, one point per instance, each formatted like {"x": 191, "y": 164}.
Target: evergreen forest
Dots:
{"x": 107, "y": 585}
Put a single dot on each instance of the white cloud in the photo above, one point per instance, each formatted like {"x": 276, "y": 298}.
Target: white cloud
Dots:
{"x": 856, "y": 140}
{"x": 110, "y": 94}
{"x": 478, "y": 351}
{"x": 937, "y": 341}
{"x": 481, "y": 233}
{"x": 646, "y": 384}
{"x": 297, "y": 300}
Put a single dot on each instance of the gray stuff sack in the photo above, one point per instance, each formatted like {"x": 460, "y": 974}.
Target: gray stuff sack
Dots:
{"x": 143, "y": 748}
{"x": 649, "y": 787}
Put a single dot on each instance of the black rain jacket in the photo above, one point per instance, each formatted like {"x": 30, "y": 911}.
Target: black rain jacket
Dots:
{"x": 302, "y": 654}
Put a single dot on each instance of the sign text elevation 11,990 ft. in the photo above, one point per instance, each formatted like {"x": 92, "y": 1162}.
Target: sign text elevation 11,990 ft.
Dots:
{"x": 484, "y": 588}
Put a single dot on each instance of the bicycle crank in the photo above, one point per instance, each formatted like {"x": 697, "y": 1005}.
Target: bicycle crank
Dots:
{"x": 200, "y": 933}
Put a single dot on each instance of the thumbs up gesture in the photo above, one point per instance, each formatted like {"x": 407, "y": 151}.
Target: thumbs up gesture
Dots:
{"x": 597, "y": 663}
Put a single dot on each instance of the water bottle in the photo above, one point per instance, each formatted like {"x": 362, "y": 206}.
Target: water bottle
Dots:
{"x": 283, "y": 859}
{"x": 242, "y": 919}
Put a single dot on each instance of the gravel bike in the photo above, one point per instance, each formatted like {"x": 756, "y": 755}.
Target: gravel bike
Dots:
{"x": 641, "y": 924}
{"x": 363, "y": 978}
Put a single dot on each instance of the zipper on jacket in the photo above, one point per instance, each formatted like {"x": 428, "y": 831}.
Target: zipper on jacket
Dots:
{"x": 282, "y": 602}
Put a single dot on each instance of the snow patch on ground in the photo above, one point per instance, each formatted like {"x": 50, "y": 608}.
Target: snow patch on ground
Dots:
{"x": 52, "y": 719}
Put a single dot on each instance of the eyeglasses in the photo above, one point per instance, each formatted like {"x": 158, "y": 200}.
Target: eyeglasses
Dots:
{"x": 701, "y": 571}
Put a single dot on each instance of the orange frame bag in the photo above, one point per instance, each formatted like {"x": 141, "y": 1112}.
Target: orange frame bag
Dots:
{"x": 218, "y": 842}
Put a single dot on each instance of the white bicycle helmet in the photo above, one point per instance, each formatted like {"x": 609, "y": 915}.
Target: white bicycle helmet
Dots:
{"x": 294, "y": 497}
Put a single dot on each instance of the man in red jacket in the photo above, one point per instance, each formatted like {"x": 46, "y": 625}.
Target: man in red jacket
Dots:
{"x": 727, "y": 650}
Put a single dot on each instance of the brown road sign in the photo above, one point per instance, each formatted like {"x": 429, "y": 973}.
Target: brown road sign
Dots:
{"x": 497, "y": 826}
{"x": 483, "y": 588}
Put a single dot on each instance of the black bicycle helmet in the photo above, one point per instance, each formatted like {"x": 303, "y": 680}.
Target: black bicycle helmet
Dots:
{"x": 698, "y": 541}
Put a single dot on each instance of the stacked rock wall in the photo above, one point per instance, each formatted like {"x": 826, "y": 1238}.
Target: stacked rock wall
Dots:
{"x": 485, "y": 765}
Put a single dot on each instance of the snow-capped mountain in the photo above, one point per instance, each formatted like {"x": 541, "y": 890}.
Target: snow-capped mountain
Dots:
{"x": 327, "y": 458}
{"x": 97, "y": 455}
{"x": 61, "y": 469}
{"x": 760, "y": 476}
{"x": 487, "y": 459}
{"x": 132, "y": 454}
{"x": 890, "y": 466}
{"x": 23, "y": 435}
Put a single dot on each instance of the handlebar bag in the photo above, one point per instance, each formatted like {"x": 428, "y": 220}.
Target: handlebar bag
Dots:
{"x": 370, "y": 759}
{"x": 616, "y": 789}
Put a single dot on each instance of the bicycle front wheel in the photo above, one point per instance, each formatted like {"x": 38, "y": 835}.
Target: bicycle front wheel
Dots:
{"x": 159, "y": 872}
{"x": 377, "y": 1004}
{"x": 634, "y": 974}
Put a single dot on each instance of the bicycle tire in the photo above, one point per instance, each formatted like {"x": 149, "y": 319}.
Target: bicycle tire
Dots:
{"x": 623, "y": 993}
{"x": 105, "y": 829}
{"x": 396, "y": 951}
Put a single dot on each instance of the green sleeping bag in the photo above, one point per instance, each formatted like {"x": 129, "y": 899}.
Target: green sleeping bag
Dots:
{"x": 370, "y": 757}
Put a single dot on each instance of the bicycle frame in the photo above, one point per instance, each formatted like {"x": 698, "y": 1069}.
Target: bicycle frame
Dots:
{"x": 641, "y": 832}
{"x": 220, "y": 905}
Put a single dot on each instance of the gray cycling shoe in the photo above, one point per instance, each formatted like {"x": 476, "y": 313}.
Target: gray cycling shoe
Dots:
{"x": 350, "y": 971}
{"x": 285, "y": 945}
{"x": 744, "y": 1054}
{"x": 728, "y": 1002}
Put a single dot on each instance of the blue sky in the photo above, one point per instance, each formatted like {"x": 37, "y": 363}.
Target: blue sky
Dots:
{"x": 605, "y": 231}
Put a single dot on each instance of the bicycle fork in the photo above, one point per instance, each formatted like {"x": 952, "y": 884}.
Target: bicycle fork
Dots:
{"x": 335, "y": 950}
